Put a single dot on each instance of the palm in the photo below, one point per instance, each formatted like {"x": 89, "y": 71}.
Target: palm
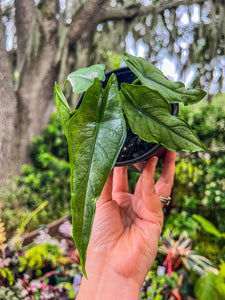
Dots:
{"x": 126, "y": 230}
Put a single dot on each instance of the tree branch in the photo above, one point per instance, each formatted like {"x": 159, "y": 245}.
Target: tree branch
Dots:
{"x": 95, "y": 12}
{"x": 135, "y": 10}
{"x": 84, "y": 17}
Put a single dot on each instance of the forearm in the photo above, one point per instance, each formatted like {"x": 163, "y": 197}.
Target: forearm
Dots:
{"x": 110, "y": 286}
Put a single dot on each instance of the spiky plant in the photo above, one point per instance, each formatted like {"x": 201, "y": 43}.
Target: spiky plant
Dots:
{"x": 179, "y": 252}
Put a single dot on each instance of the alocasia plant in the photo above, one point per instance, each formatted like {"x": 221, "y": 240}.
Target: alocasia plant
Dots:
{"x": 97, "y": 130}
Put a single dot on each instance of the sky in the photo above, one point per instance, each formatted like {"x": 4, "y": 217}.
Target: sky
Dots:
{"x": 167, "y": 66}
{"x": 168, "y": 63}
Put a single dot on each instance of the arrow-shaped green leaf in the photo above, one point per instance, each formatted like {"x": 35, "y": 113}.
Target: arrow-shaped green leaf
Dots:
{"x": 152, "y": 77}
{"x": 83, "y": 78}
{"x": 96, "y": 135}
{"x": 149, "y": 116}
{"x": 63, "y": 108}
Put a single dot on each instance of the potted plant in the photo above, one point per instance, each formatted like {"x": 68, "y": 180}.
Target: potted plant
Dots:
{"x": 97, "y": 130}
{"x": 135, "y": 151}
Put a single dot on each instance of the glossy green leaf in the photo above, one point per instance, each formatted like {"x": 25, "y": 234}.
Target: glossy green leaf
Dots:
{"x": 153, "y": 78}
{"x": 96, "y": 135}
{"x": 208, "y": 226}
{"x": 63, "y": 108}
{"x": 82, "y": 79}
{"x": 149, "y": 116}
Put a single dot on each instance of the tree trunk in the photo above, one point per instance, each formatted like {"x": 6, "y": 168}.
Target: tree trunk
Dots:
{"x": 9, "y": 139}
{"x": 42, "y": 54}
{"x": 26, "y": 112}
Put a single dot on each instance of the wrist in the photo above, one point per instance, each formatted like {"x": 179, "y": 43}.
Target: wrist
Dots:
{"x": 108, "y": 285}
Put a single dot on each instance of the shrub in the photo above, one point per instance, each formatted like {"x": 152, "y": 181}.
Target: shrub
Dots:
{"x": 47, "y": 179}
{"x": 200, "y": 177}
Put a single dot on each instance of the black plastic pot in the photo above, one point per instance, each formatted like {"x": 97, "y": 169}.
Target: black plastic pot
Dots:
{"x": 135, "y": 151}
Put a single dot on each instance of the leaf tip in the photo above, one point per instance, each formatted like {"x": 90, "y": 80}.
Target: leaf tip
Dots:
{"x": 204, "y": 148}
{"x": 65, "y": 83}
{"x": 127, "y": 56}
{"x": 82, "y": 263}
{"x": 204, "y": 93}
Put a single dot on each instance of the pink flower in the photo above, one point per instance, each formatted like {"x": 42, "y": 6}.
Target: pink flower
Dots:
{"x": 66, "y": 229}
{"x": 24, "y": 293}
{"x": 21, "y": 281}
{"x": 35, "y": 283}
{"x": 43, "y": 286}
{"x": 33, "y": 288}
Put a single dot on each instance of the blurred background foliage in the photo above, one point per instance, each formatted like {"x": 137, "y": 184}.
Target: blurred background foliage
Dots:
{"x": 45, "y": 179}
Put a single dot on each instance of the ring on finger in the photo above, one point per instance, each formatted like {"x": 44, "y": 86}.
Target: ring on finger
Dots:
{"x": 164, "y": 200}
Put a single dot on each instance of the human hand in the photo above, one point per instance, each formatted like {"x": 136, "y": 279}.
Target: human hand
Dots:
{"x": 126, "y": 231}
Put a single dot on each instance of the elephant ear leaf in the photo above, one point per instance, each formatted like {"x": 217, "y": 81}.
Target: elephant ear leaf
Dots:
{"x": 83, "y": 78}
{"x": 63, "y": 108}
{"x": 152, "y": 77}
{"x": 154, "y": 122}
{"x": 96, "y": 135}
